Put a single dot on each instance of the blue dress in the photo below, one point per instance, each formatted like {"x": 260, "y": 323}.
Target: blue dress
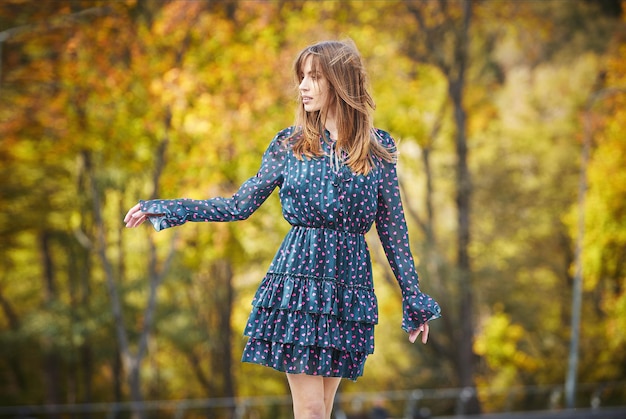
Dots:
{"x": 315, "y": 310}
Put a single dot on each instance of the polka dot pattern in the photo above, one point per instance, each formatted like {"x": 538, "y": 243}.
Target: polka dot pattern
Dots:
{"x": 315, "y": 310}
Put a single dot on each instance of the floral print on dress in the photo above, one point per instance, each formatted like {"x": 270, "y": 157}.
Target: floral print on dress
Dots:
{"x": 315, "y": 310}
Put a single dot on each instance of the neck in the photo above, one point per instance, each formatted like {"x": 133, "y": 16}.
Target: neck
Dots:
{"x": 331, "y": 125}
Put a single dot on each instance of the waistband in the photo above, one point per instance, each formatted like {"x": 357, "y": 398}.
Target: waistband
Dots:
{"x": 335, "y": 230}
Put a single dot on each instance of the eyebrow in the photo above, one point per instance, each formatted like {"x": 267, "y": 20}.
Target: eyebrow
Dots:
{"x": 313, "y": 71}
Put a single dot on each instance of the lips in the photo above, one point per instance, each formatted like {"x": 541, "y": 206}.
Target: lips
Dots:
{"x": 306, "y": 99}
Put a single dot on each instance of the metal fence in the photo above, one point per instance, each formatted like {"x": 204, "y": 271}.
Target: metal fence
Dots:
{"x": 596, "y": 400}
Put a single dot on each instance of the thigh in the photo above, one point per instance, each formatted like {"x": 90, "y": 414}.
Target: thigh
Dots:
{"x": 306, "y": 387}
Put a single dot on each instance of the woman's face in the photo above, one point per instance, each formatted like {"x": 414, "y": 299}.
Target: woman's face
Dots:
{"x": 313, "y": 87}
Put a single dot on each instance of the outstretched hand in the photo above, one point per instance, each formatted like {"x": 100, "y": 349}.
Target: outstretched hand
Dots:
{"x": 423, "y": 329}
{"x": 135, "y": 217}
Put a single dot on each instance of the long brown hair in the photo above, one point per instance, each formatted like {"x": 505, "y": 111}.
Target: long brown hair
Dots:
{"x": 340, "y": 63}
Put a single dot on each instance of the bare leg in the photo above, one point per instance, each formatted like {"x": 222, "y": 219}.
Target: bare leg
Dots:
{"x": 330, "y": 389}
{"x": 313, "y": 396}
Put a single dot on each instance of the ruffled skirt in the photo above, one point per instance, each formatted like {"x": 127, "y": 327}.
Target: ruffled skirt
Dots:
{"x": 315, "y": 310}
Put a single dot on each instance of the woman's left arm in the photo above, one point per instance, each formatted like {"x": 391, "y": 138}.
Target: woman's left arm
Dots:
{"x": 418, "y": 308}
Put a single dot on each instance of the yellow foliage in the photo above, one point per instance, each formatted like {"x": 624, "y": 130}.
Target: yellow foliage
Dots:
{"x": 499, "y": 343}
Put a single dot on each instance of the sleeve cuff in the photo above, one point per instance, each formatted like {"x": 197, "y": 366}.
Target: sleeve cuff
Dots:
{"x": 419, "y": 309}
{"x": 165, "y": 216}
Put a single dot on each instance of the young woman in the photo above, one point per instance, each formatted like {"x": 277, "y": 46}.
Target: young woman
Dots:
{"x": 314, "y": 313}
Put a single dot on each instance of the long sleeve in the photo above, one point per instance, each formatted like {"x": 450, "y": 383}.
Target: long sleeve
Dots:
{"x": 418, "y": 307}
{"x": 249, "y": 197}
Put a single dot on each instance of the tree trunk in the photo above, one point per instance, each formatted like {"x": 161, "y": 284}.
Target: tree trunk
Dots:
{"x": 465, "y": 353}
{"x": 118, "y": 373}
{"x": 221, "y": 358}
{"x": 442, "y": 39}
{"x": 456, "y": 86}
{"x": 51, "y": 359}
{"x": 85, "y": 350}
{"x": 17, "y": 384}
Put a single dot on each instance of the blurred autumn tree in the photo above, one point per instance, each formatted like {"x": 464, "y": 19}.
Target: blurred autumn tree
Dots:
{"x": 104, "y": 103}
{"x": 604, "y": 245}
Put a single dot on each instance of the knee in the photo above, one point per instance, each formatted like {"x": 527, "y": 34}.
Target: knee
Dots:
{"x": 312, "y": 409}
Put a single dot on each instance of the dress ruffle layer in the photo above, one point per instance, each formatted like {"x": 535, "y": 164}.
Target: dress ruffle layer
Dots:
{"x": 311, "y": 360}
{"x": 306, "y": 329}
{"x": 321, "y": 296}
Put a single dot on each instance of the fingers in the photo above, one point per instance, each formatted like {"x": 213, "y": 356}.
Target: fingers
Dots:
{"x": 136, "y": 220}
{"x": 134, "y": 217}
{"x": 130, "y": 212}
{"x": 424, "y": 329}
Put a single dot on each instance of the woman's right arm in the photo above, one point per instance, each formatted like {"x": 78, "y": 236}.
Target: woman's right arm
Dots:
{"x": 252, "y": 193}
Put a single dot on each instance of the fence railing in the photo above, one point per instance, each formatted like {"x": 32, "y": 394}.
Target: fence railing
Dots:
{"x": 406, "y": 404}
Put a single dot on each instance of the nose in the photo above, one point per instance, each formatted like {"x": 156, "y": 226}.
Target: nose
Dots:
{"x": 304, "y": 84}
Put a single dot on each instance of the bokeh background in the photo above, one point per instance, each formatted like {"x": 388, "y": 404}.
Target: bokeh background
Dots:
{"x": 511, "y": 126}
